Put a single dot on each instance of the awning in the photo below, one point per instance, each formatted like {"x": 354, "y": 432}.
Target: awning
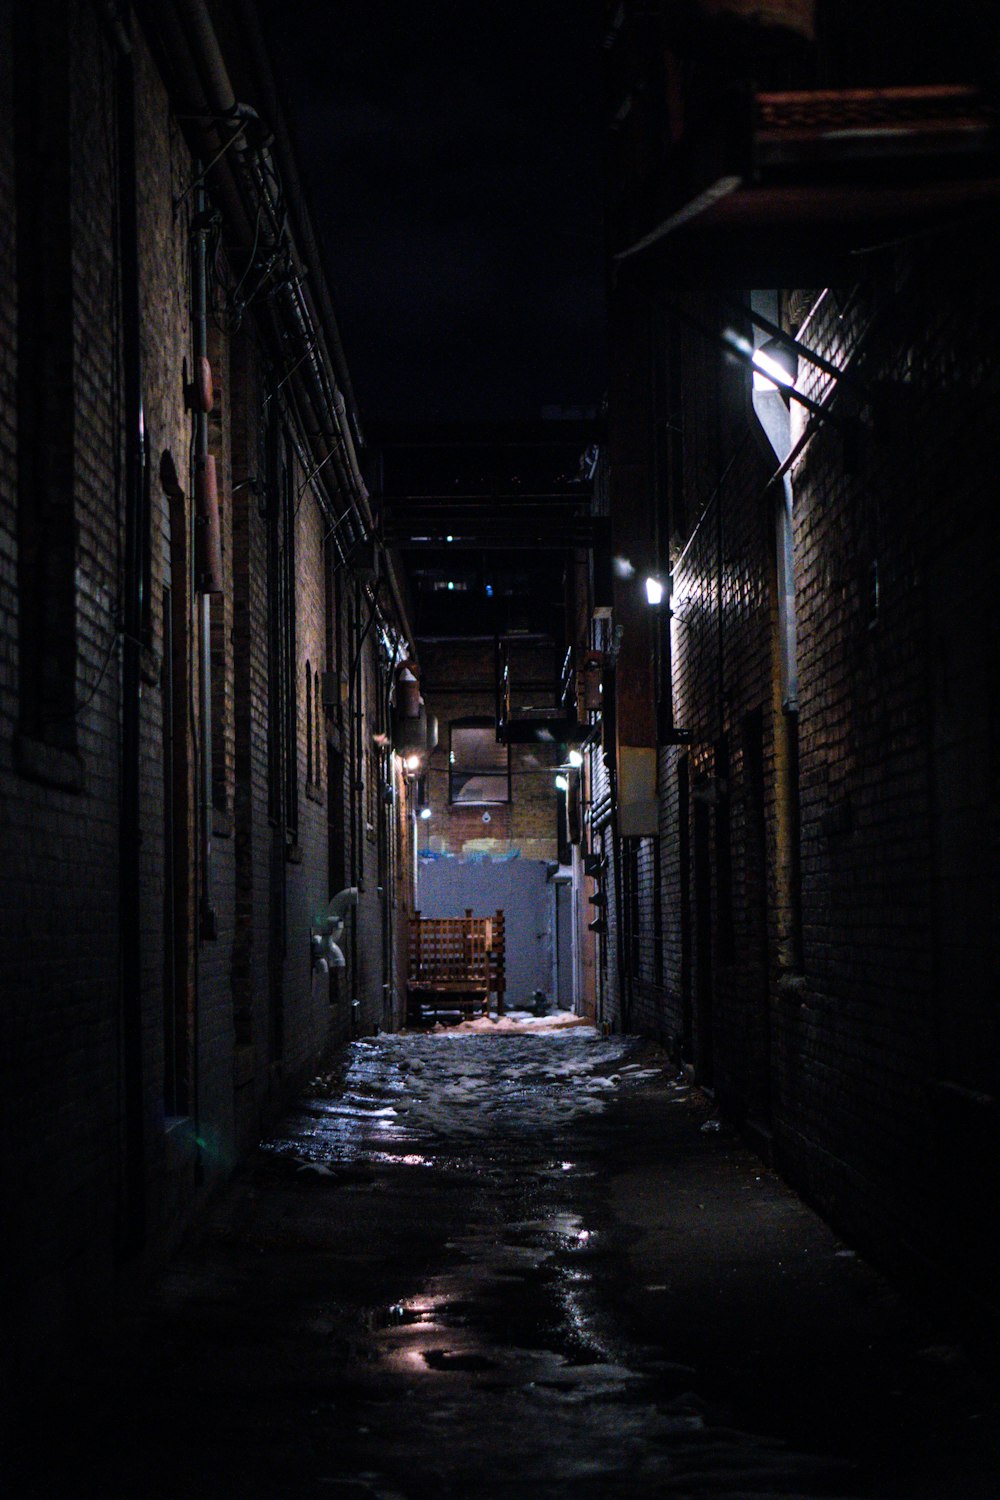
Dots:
{"x": 829, "y": 173}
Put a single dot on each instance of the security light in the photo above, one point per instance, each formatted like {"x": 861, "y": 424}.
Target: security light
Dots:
{"x": 562, "y": 783}
{"x": 425, "y": 813}
{"x": 412, "y": 763}
{"x": 654, "y": 590}
{"x": 774, "y": 364}
{"x": 575, "y": 759}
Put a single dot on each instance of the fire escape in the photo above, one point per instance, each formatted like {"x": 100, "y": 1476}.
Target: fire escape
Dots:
{"x": 498, "y": 534}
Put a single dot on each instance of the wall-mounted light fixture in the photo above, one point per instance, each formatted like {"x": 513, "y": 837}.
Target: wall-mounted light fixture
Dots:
{"x": 654, "y": 590}
{"x": 425, "y": 813}
{"x": 562, "y": 783}
{"x": 575, "y": 759}
{"x": 774, "y": 365}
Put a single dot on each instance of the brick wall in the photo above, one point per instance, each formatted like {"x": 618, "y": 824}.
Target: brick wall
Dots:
{"x": 823, "y": 881}
{"x": 123, "y": 1109}
{"x": 458, "y": 683}
{"x": 889, "y": 552}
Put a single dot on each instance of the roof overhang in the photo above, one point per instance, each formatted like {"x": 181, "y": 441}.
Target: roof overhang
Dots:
{"x": 829, "y": 173}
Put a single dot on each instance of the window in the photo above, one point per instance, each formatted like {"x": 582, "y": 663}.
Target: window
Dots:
{"x": 478, "y": 766}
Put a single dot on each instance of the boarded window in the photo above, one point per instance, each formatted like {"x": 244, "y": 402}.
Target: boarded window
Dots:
{"x": 479, "y": 768}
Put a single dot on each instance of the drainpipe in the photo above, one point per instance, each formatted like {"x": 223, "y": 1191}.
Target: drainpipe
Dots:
{"x": 189, "y": 24}
{"x": 355, "y": 712}
{"x": 775, "y": 427}
{"x": 323, "y": 397}
{"x": 207, "y": 552}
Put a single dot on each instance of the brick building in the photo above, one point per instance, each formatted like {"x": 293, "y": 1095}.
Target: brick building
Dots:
{"x": 801, "y": 896}
{"x": 745, "y": 619}
{"x": 485, "y": 516}
{"x": 199, "y": 643}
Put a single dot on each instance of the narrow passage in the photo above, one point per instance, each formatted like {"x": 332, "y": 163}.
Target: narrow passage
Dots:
{"x": 525, "y": 1264}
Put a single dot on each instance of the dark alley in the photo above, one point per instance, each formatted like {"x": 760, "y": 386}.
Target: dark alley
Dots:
{"x": 499, "y": 749}
{"x": 518, "y": 1264}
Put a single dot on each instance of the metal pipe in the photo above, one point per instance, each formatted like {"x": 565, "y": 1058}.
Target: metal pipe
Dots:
{"x": 773, "y": 422}
{"x": 303, "y": 232}
{"x": 206, "y": 50}
{"x": 332, "y": 417}
{"x": 207, "y": 920}
{"x": 355, "y": 709}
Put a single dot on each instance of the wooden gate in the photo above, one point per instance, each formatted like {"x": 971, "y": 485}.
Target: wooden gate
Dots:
{"x": 455, "y": 964}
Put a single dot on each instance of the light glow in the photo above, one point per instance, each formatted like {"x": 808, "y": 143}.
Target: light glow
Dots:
{"x": 562, "y": 782}
{"x": 412, "y": 763}
{"x": 654, "y": 591}
{"x": 575, "y": 759}
{"x": 768, "y": 373}
{"x": 425, "y": 813}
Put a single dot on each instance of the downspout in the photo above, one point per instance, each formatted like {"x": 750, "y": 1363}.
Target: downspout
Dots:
{"x": 324, "y": 396}
{"x": 221, "y": 99}
{"x": 355, "y": 704}
{"x": 355, "y": 711}
{"x": 208, "y": 570}
{"x": 774, "y": 424}
{"x": 357, "y": 850}
{"x": 356, "y": 683}
{"x": 386, "y": 861}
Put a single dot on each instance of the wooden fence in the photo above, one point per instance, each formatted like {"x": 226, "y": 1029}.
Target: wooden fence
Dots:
{"x": 455, "y": 964}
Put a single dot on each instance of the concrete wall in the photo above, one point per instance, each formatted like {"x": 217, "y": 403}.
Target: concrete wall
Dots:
{"x": 523, "y": 890}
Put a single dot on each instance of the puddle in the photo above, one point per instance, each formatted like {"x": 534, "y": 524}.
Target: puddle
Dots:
{"x": 448, "y": 1359}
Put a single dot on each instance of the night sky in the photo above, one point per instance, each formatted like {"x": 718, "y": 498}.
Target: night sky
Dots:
{"x": 453, "y": 156}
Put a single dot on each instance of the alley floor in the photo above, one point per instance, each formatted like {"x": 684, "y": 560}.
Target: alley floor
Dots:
{"x": 525, "y": 1264}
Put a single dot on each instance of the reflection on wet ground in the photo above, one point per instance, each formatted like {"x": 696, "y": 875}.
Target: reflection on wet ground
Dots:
{"x": 453, "y": 1092}
{"x": 500, "y": 1266}
{"x": 506, "y": 1373}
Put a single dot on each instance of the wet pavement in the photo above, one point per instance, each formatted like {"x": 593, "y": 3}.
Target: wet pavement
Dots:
{"x": 526, "y": 1265}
